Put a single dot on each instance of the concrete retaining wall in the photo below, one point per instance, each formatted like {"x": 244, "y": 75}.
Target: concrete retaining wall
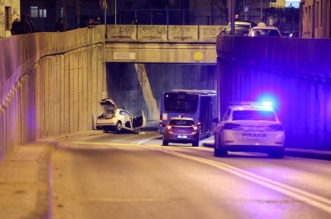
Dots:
{"x": 294, "y": 73}
{"x": 49, "y": 84}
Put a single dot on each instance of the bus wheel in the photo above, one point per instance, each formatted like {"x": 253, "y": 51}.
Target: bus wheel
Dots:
{"x": 165, "y": 143}
{"x": 195, "y": 144}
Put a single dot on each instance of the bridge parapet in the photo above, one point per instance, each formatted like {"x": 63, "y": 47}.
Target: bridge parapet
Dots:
{"x": 163, "y": 33}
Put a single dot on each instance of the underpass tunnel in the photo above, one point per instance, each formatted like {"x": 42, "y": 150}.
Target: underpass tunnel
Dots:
{"x": 139, "y": 86}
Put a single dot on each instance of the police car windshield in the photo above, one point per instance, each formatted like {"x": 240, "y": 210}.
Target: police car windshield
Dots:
{"x": 253, "y": 115}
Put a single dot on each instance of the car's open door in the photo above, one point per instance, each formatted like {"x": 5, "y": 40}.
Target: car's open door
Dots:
{"x": 139, "y": 119}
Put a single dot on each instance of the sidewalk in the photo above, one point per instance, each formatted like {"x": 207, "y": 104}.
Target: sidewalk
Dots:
{"x": 24, "y": 183}
{"x": 24, "y": 180}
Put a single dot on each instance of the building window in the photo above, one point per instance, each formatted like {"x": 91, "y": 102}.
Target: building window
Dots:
{"x": 172, "y": 2}
{"x": 34, "y": 11}
{"x": 42, "y": 13}
{"x": 8, "y": 16}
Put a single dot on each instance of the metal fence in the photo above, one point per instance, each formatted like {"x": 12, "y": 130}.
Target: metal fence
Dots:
{"x": 44, "y": 22}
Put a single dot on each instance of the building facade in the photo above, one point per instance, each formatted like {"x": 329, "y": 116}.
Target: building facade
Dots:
{"x": 316, "y": 18}
{"x": 9, "y": 11}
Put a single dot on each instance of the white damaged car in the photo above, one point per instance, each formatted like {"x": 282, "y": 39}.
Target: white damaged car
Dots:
{"x": 117, "y": 120}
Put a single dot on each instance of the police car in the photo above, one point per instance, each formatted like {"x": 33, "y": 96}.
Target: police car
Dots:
{"x": 249, "y": 127}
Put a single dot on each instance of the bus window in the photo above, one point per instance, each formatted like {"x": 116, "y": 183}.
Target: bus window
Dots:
{"x": 183, "y": 103}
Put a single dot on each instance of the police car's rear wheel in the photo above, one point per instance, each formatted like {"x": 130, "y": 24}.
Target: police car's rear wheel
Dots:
{"x": 220, "y": 152}
{"x": 277, "y": 154}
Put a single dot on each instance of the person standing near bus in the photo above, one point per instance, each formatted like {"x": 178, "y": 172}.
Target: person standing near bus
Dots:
{"x": 17, "y": 27}
{"x": 59, "y": 25}
{"x": 31, "y": 23}
{"x": 26, "y": 25}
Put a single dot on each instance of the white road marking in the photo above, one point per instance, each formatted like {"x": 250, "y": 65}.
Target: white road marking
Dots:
{"x": 298, "y": 194}
{"x": 307, "y": 197}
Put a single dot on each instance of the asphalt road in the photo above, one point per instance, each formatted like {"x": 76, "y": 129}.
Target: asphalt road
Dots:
{"x": 133, "y": 176}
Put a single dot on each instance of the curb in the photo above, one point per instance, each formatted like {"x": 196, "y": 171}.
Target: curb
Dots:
{"x": 322, "y": 155}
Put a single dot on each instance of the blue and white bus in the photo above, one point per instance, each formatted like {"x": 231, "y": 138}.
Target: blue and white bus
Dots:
{"x": 196, "y": 104}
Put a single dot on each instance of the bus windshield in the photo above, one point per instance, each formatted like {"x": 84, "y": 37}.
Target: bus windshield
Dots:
{"x": 194, "y": 104}
{"x": 181, "y": 103}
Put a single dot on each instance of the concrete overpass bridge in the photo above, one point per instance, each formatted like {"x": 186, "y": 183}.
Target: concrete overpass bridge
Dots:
{"x": 161, "y": 44}
{"x": 150, "y": 47}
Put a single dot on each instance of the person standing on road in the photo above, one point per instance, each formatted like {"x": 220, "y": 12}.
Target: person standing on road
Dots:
{"x": 59, "y": 25}
{"x": 31, "y": 23}
{"x": 26, "y": 25}
{"x": 97, "y": 21}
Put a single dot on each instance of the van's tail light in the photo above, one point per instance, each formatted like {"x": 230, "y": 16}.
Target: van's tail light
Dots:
{"x": 231, "y": 126}
{"x": 195, "y": 128}
{"x": 160, "y": 121}
{"x": 169, "y": 127}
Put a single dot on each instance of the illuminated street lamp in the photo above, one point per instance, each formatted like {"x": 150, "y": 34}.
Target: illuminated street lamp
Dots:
{"x": 103, "y": 5}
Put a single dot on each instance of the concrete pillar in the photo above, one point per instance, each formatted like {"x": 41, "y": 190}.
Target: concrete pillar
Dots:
{"x": 153, "y": 111}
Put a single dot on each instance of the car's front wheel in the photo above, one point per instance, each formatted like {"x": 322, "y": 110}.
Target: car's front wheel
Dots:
{"x": 118, "y": 126}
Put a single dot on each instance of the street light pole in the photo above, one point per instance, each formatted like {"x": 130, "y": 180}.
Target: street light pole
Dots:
{"x": 115, "y": 5}
{"x": 103, "y": 5}
{"x": 261, "y": 11}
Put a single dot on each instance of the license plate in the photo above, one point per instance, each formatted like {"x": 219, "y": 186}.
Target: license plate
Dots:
{"x": 181, "y": 136}
{"x": 254, "y": 135}
{"x": 254, "y": 129}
